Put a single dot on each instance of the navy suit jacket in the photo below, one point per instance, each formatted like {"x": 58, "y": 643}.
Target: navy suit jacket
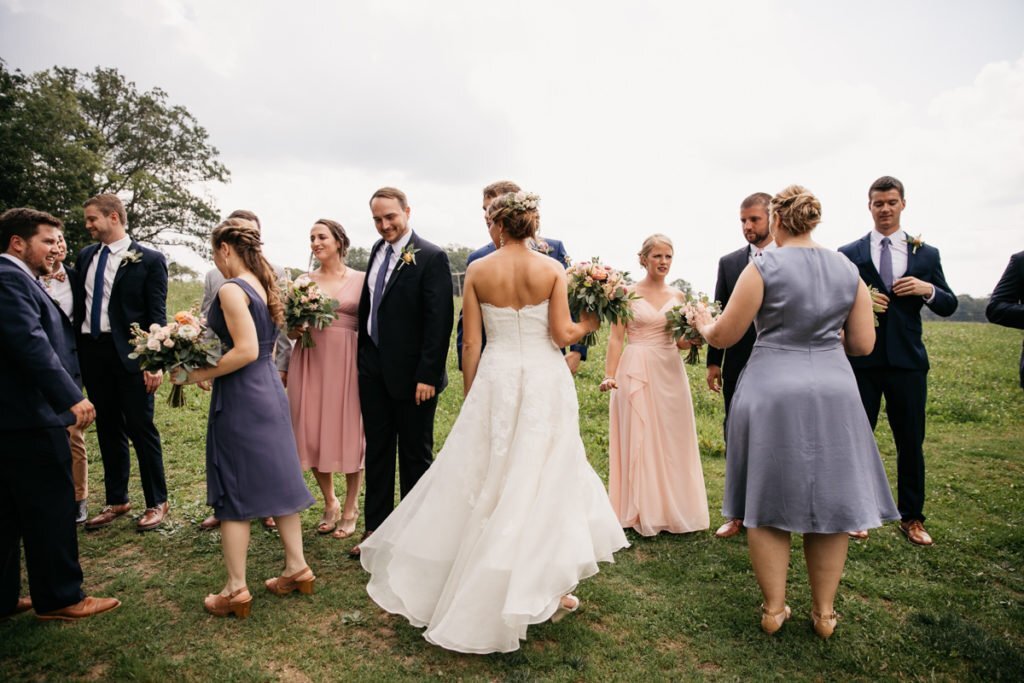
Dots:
{"x": 557, "y": 252}
{"x": 415, "y": 315}
{"x": 139, "y": 295}
{"x": 729, "y": 268}
{"x": 1006, "y": 305}
{"x": 39, "y": 375}
{"x": 898, "y": 341}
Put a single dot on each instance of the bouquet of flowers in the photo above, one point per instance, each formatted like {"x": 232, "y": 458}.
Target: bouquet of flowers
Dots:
{"x": 875, "y": 308}
{"x": 597, "y": 288}
{"x": 681, "y": 320}
{"x": 178, "y": 347}
{"x": 305, "y": 307}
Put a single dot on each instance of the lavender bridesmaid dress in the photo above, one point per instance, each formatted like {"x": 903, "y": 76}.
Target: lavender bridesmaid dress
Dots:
{"x": 252, "y": 467}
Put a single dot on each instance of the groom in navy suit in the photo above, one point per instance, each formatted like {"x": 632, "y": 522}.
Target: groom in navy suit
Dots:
{"x": 120, "y": 282}
{"x": 908, "y": 275}
{"x": 551, "y": 247}
{"x": 405, "y": 325}
{"x": 39, "y": 398}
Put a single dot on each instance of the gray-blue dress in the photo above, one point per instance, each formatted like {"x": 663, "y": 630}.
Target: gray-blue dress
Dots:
{"x": 252, "y": 466}
{"x": 801, "y": 455}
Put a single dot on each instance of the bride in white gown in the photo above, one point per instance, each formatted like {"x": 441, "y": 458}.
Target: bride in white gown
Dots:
{"x": 511, "y": 516}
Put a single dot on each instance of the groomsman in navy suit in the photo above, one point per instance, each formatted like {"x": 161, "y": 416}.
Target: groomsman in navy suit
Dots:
{"x": 405, "y": 327}
{"x": 1006, "y": 305}
{"x": 908, "y": 275}
{"x": 552, "y": 247}
{"x": 120, "y": 282}
{"x": 725, "y": 365}
{"x": 39, "y": 398}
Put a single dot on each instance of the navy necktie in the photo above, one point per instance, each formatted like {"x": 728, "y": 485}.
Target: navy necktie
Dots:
{"x": 97, "y": 293}
{"x": 885, "y": 264}
{"x": 378, "y": 292}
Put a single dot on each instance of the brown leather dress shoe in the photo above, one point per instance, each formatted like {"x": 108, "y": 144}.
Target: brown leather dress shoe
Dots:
{"x": 354, "y": 550}
{"x": 913, "y": 529}
{"x": 730, "y": 528}
{"x": 24, "y": 605}
{"x": 80, "y": 610}
{"x": 209, "y": 523}
{"x": 107, "y": 515}
{"x": 153, "y": 517}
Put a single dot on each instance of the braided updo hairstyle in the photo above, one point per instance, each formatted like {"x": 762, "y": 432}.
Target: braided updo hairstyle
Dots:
{"x": 798, "y": 210}
{"x": 244, "y": 238}
{"x": 516, "y": 214}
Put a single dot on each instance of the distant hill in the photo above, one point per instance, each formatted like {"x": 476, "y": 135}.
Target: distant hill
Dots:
{"x": 970, "y": 310}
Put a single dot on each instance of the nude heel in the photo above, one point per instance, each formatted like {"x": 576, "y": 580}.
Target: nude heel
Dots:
{"x": 301, "y": 581}
{"x": 238, "y": 603}
{"x": 772, "y": 622}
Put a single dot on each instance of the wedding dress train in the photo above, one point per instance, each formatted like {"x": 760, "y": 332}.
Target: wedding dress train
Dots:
{"x": 511, "y": 516}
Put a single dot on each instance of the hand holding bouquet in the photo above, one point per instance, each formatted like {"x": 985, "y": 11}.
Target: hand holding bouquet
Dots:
{"x": 601, "y": 290}
{"x": 683, "y": 319}
{"x": 178, "y": 347}
{"x": 306, "y": 307}
{"x": 876, "y": 307}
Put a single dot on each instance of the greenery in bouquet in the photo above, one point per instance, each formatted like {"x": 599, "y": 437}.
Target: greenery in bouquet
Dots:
{"x": 680, "y": 321}
{"x": 597, "y": 288}
{"x": 875, "y": 308}
{"x": 178, "y": 347}
{"x": 306, "y": 307}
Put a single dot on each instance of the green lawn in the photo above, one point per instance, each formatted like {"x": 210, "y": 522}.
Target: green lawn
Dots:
{"x": 671, "y": 607}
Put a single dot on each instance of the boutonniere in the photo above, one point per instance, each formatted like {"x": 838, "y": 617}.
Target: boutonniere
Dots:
{"x": 914, "y": 243}
{"x": 130, "y": 256}
{"x": 407, "y": 256}
{"x": 541, "y": 247}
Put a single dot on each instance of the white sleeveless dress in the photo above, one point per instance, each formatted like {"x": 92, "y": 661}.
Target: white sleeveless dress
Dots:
{"x": 511, "y": 516}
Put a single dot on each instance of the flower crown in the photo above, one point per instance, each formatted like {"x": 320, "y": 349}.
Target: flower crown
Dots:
{"x": 519, "y": 201}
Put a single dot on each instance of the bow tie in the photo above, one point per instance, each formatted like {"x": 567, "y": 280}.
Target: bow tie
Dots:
{"x": 59, "y": 277}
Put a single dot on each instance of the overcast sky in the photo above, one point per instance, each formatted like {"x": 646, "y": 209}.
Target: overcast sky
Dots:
{"x": 628, "y": 118}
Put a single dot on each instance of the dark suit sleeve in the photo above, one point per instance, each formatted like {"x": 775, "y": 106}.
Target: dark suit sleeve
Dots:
{"x": 945, "y": 302}
{"x": 1006, "y": 305}
{"x": 24, "y": 342}
{"x": 438, "y": 318}
{"x": 156, "y": 291}
{"x": 721, "y": 295}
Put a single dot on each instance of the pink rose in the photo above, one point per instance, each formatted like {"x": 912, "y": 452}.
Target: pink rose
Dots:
{"x": 599, "y": 273}
{"x": 153, "y": 344}
{"x": 168, "y": 343}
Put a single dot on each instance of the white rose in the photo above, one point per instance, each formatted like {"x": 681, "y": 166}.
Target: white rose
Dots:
{"x": 169, "y": 343}
{"x": 153, "y": 344}
{"x": 154, "y": 327}
{"x": 189, "y": 332}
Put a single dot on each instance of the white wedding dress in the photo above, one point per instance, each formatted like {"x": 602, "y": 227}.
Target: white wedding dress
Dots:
{"x": 511, "y": 516}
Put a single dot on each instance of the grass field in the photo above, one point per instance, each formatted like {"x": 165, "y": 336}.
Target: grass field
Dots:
{"x": 670, "y": 608}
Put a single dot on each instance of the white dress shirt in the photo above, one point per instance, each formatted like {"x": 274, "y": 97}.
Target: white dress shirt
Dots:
{"x": 60, "y": 291}
{"x": 117, "y": 251}
{"x": 753, "y": 251}
{"x": 378, "y": 259}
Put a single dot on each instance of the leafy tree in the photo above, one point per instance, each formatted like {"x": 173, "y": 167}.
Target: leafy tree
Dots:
{"x": 179, "y": 271}
{"x": 358, "y": 258}
{"x": 67, "y": 135}
{"x": 457, "y": 255}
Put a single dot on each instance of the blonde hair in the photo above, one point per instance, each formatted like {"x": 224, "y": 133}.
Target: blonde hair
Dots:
{"x": 799, "y": 211}
{"x": 651, "y": 242}
{"x": 244, "y": 238}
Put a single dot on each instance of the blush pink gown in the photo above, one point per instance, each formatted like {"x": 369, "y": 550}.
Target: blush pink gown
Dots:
{"x": 323, "y": 389}
{"x": 655, "y": 480}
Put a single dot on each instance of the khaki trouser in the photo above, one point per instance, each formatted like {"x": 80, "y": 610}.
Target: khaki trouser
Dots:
{"x": 79, "y": 463}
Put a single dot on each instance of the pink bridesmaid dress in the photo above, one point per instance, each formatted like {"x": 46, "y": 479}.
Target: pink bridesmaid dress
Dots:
{"x": 323, "y": 389}
{"x": 655, "y": 480}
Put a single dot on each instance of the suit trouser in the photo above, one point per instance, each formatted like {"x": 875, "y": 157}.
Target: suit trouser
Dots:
{"x": 37, "y": 506}
{"x": 906, "y": 393}
{"x": 123, "y": 411}
{"x": 79, "y": 462}
{"x": 388, "y": 421}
